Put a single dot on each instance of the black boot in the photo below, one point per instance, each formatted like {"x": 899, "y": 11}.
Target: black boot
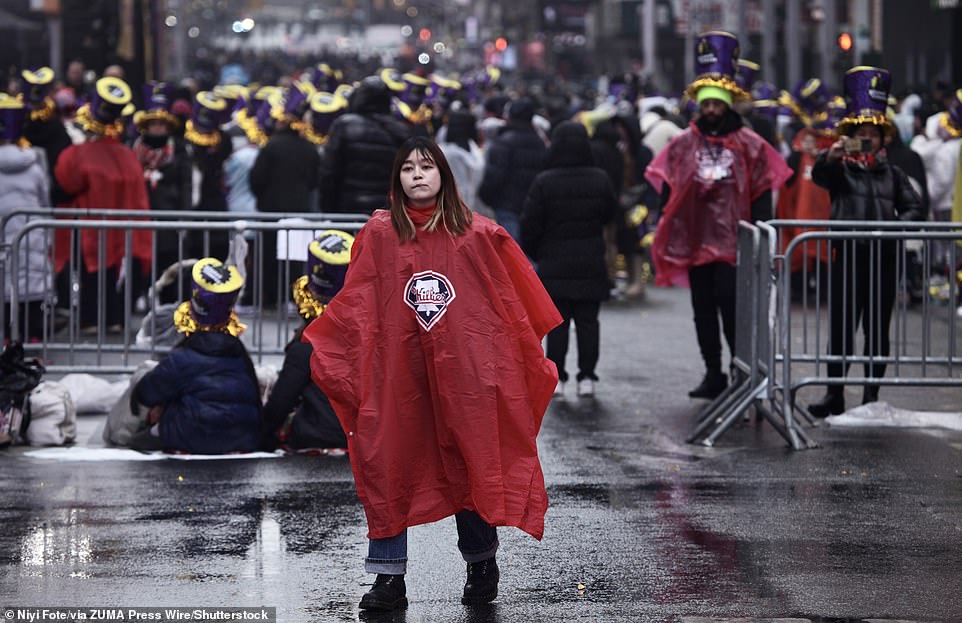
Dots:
{"x": 711, "y": 386}
{"x": 832, "y": 403}
{"x": 388, "y": 593}
{"x": 870, "y": 394}
{"x": 482, "y": 584}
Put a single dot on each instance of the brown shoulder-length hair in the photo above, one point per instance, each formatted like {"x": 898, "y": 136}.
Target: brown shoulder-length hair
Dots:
{"x": 450, "y": 212}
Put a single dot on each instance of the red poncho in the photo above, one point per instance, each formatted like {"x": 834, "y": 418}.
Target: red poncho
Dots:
{"x": 431, "y": 356}
{"x": 103, "y": 174}
{"x": 804, "y": 199}
{"x": 713, "y": 181}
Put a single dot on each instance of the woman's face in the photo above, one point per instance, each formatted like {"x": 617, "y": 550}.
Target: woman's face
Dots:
{"x": 420, "y": 178}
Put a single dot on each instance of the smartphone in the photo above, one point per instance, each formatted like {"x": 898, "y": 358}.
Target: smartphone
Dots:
{"x": 858, "y": 145}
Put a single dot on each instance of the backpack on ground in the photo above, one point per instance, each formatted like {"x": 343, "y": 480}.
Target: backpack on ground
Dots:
{"x": 18, "y": 377}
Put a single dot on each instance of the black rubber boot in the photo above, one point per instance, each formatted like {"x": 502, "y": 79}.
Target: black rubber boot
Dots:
{"x": 388, "y": 593}
{"x": 711, "y": 386}
{"x": 833, "y": 403}
{"x": 482, "y": 584}
{"x": 870, "y": 394}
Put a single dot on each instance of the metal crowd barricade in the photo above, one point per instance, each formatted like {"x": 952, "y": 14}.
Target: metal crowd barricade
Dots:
{"x": 752, "y": 361}
{"x": 64, "y": 347}
{"x": 890, "y": 268}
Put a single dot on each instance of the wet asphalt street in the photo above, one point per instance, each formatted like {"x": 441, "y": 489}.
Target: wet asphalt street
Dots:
{"x": 642, "y": 527}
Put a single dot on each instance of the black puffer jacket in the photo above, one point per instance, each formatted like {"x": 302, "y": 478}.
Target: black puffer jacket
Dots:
{"x": 564, "y": 216}
{"x": 356, "y": 165}
{"x": 285, "y": 173}
{"x": 882, "y": 193}
{"x": 52, "y": 137}
{"x": 315, "y": 424}
{"x": 515, "y": 157}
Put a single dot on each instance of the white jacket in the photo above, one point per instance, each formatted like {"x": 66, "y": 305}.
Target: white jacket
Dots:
{"x": 468, "y": 170}
{"x": 941, "y": 158}
{"x": 23, "y": 184}
{"x": 658, "y": 131}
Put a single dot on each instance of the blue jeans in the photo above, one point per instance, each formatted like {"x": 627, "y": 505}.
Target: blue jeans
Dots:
{"x": 477, "y": 541}
{"x": 511, "y": 221}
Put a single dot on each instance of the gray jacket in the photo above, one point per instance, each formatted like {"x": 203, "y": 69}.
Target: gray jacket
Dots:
{"x": 23, "y": 184}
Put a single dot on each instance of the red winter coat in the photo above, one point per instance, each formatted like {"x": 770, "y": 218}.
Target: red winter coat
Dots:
{"x": 804, "y": 199}
{"x": 713, "y": 181}
{"x": 103, "y": 174}
{"x": 431, "y": 356}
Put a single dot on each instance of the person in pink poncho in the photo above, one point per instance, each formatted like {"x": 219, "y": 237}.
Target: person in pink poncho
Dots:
{"x": 714, "y": 174}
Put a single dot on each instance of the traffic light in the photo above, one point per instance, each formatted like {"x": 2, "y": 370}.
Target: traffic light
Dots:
{"x": 845, "y": 41}
{"x": 501, "y": 44}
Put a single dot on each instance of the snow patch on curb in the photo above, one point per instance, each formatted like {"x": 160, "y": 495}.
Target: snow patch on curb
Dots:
{"x": 884, "y": 414}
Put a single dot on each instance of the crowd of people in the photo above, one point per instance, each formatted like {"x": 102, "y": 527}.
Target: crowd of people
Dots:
{"x": 526, "y": 155}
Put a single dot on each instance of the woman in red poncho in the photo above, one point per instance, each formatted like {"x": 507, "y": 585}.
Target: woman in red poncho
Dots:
{"x": 431, "y": 356}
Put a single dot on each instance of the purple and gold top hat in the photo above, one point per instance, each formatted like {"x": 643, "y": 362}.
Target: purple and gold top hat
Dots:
{"x": 328, "y": 257}
{"x": 866, "y": 98}
{"x": 246, "y": 114}
{"x": 260, "y": 128}
{"x": 394, "y": 80}
{"x": 233, "y": 93}
{"x": 415, "y": 89}
{"x": 326, "y": 78}
{"x": 158, "y": 98}
{"x": 206, "y": 117}
{"x": 488, "y": 77}
{"x": 325, "y": 108}
{"x": 765, "y": 96}
{"x": 296, "y": 103}
{"x": 36, "y": 86}
{"x": 344, "y": 91}
{"x": 807, "y": 101}
{"x": 12, "y": 115}
{"x": 442, "y": 89}
{"x": 214, "y": 291}
{"x": 747, "y": 74}
{"x": 828, "y": 120}
{"x": 103, "y": 114}
{"x": 716, "y": 61}
{"x": 951, "y": 121}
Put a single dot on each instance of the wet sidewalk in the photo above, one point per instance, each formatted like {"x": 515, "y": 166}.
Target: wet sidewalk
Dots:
{"x": 642, "y": 527}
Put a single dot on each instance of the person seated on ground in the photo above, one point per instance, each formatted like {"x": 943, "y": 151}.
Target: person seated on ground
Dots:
{"x": 297, "y": 415}
{"x": 204, "y": 397}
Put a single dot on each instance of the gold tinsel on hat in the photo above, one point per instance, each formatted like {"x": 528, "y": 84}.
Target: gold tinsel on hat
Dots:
{"x": 243, "y": 118}
{"x": 314, "y": 137}
{"x": 848, "y": 124}
{"x": 45, "y": 113}
{"x": 199, "y": 138}
{"x": 255, "y": 134}
{"x": 722, "y": 82}
{"x": 142, "y": 117}
{"x": 185, "y": 323}
{"x": 90, "y": 124}
{"x": 307, "y": 304}
{"x": 946, "y": 123}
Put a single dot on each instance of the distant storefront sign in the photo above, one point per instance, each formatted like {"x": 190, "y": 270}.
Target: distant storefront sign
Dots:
{"x": 565, "y": 15}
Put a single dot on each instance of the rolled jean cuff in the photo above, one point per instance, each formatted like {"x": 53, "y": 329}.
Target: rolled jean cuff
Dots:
{"x": 387, "y": 567}
{"x": 484, "y": 554}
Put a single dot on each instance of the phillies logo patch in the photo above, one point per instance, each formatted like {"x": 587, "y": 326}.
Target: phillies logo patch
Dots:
{"x": 428, "y": 293}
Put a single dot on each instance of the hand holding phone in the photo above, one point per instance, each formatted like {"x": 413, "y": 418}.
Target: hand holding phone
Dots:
{"x": 858, "y": 145}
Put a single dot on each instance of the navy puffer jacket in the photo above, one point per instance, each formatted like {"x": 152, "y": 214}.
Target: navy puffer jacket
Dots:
{"x": 211, "y": 399}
